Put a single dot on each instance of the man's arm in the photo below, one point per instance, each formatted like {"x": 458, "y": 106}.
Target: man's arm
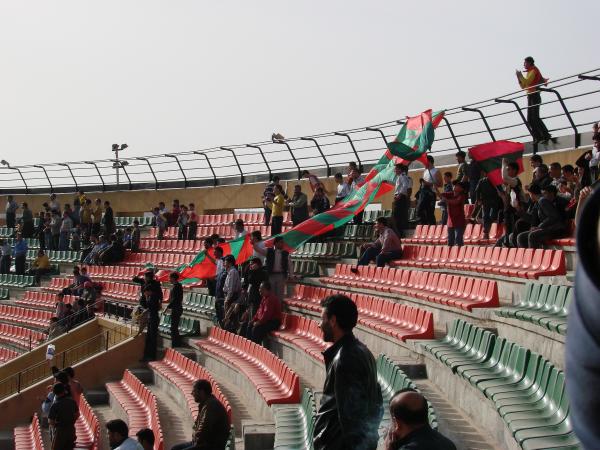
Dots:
{"x": 512, "y": 182}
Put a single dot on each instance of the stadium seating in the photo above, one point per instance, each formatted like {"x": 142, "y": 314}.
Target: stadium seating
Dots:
{"x": 183, "y": 372}
{"x": 122, "y": 222}
{"x": 568, "y": 241}
{"x": 542, "y": 304}
{"x": 294, "y": 424}
{"x": 58, "y": 256}
{"x": 273, "y": 379}
{"x": 25, "y": 316}
{"x": 20, "y": 337}
{"x": 372, "y": 215}
{"x": 126, "y": 292}
{"x": 303, "y": 333}
{"x": 45, "y": 300}
{"x": 526, "y": 389}
{"x": 87, "y": 427}
{"x": 4, "y": 294}
{"x": 187, "y": 325}
{"x": 7, "y": 354}
{"x": 163, "y": 260}
{"x": 305, "y": 268}
{"x": 117, "y": 273}
{"x": 328, "y": 250}
{"x": 225, "y": 231}
{"x": 6, "y": 232}
{"x": 19, "y": 281}
{"x": 510, "y": 262}
{"x": 386, "y": 316}
{"x": 358, "y": 232}
{"x": 451, "y": 290}
{"x": 140, "y": 405}
{"x": 171, "y": 245}
{"x": 199, "y": 303}
{"x": 29, "y": 437}
{"x": 438, "y": 234}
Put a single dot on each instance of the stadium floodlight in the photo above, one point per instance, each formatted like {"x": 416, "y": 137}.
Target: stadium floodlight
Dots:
{"x": 5, "y": 163}
{"x": 116, "y": 148}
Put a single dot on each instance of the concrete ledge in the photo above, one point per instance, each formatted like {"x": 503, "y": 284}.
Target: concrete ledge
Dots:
{"x": 297, "y": 357}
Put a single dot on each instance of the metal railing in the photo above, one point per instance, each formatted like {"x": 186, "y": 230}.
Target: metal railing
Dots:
{"x": 42, "y": 370}
{"x": 570, "y": 105}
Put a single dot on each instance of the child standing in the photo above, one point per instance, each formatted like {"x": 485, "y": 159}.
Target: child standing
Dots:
{"x": 455, "y": 202}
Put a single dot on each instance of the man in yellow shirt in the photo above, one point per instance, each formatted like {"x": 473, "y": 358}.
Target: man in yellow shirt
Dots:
{"x": 40, "y": 266}
{"x": 531, "y": 82}
{"x": 277, "y": 210}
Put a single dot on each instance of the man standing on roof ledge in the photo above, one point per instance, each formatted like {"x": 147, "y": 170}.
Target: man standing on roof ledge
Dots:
{"x": 531, "y": 82}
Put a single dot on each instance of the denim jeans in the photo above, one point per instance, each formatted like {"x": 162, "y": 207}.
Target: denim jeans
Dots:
{"x": 455, "y": 236}
{"x": 380, "y": 258}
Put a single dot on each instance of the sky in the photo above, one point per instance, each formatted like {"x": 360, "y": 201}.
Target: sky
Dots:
{"x": 165, "y": 76}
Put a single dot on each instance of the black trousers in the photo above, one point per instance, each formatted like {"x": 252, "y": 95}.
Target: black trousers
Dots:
{"x": 276, "y": 225}
{"x": 267, "y": 216}
{"x": 5, "y": 264}
{"x": 358, "y": 219}
{"x": 192, "y": 230}
{"x": 10, "y": 219}
{"x": 151, "y": 343}
{"x": 259, "y": 332}
{"x": 400, "y": 214}
{"x": 175, "y": 320}
{"x": 20, "y": 264}
{"x": 538, "y": 129}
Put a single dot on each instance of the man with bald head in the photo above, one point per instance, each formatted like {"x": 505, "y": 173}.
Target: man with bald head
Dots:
{"x": 410, "y": 428}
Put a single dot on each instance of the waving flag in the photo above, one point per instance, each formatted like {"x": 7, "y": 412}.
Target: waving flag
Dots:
{"x": 490, "y": 155}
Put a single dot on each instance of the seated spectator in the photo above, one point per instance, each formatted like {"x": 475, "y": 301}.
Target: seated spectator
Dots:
{"x": 118, "y": 436}
{"x": 535, "y": 161}
{"x": 456, "y": 212}
{"x": 541, "y": 176}
{"x": 211, "y": 429}
{"x": 563, "y": 189}
{"x": 5, "y": 256}
{"x": 386, "y": 248}
{"x": 113, "y": 253}
{"x": 76, "y": 287}
{"x": 486, "y": 195}
{"x": 127, "y": 238}
{"x": 146, "y": 438}
{"x": 409, "y": 427}
{"x": 267, "y": 317}
{"x": 527, "y": 218}
{"x": 40, "y": 266}
{"x": 319, "y": 202}
{"x": 94, "y": 255}
{"x": 88, "y": 295}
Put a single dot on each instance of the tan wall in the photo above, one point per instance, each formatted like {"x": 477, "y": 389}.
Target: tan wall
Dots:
{"x": 226, "y": 198}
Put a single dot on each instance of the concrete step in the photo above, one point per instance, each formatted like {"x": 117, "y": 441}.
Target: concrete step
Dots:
{"x": 176, "y": 424}
{"x": 104, "y": 414}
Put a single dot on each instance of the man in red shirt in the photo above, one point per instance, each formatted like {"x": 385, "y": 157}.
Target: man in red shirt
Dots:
{"x": 455, "y": 202}
{"x": 268, "y": 316}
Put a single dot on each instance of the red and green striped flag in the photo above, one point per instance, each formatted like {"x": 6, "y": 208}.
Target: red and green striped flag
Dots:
{"x": 490, "y": 155}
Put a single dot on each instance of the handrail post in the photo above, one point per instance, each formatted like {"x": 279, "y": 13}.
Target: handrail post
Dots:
{"x": 518, "y": 108}
{"x": 107, "y": 338}
{"x": 263, "y": 157}
{"x": 71, "y": 172}
{"x": 281, "y": 141}
{"x": 47, "y": 177}
{"x": 141, "y": 158}
{"x": 320, "y": 152}
{"x": 347, "y": 136}
{"x": 567, "y": 113}
{"x": 452, "y": 133}
{"x": 378, "y": 130}
{"x": 485, "y": 122}
{"x": 209, "y": 166}
{"x": 99, "y": 174}
{"x": 185, "y": 182}
{"x": 242, "y": 178}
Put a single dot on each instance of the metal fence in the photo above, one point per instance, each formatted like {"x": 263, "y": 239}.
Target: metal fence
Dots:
{"x": 570, "y": 105}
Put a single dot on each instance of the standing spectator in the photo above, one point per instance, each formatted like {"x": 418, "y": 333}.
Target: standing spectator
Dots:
{"x": 40, "y": 266}
{"x": 39, "y": 231}
{"x": 182, "y": 223}
{"x": 97, "y": 217}
{"x": 351, "y": 405}
{"x": 151, "y": 343}
{"x": 277, "y": 211}
{"x": 232, "y": 288}
{"x": 54, "y": 205}
{"x": 109, "y": 219}
{"x": 160, "y": 222}
{"x": 491, "y": 203}
{"x": 146, "y": 438}
{"x": 356, "y": 181}
{"x": 219, "y": 282}
{"x": 594, "y": 156}
{"x": 279, "y": 267}
{"x": 475, "y": 175}
{"x": 448, "y": 187}
{"x": 11, "y": 212}
{"x": 319, "y": 202}
{"x": 174, "y": 215}
{"x": 402, "y": 194}
{"x": 27, "y": 221}
{"x": 385, "y": 248}
{"x": 254, "y": 276}
{"x": 74, "y": 384}
{"x": 86, "y": 220}
{"x": 208, "y": 249}
{"x": 135, "y": 236}
{"x": 48, "y": 231}
{"x": 456, "y": 213}
{"x": 432, "y": 180}
{"x": 176, "y": 307}
{"x": 20, "y": 254}
{"x": 5, "y": 256}
{"x": 299, "y": 205}
{"x": 513, "y": 199}
{"x": 118, "y": 436}
{"x": 267, "y": 317}
{"x": 260, "y": 251}
{"x": 62, "y": 417}
{"x": 409, "y": 427}
{"x": 76, "y": 238}
{"x": 65, "y": 232}
{"x": 267, "y": 199}
{"x": 55, "y": 225}
{"x": 343, "y": 188}
{"x": 238, "y": 228}
{"x": 192, "y": 223}
{"x": 462, "y": 172}
{"x": 211, "y": 428}
{"x": 531, "y": 82}
{"x": 551, "y": 222}
{"x": 313, "y": 180}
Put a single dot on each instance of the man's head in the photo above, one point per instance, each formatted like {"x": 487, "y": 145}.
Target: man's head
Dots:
{"x": 513, "y": 169}
{"x": 40, "y": 252}
{"x": 276, "y": 179}
{"x": 70, "y": 372}
{"x": 146, "y": 438}
{"x": 430, "y": 160}
{"x": 24, "y": 205}
{"x": 118, "y": 431}
{"x": 409, "y": 412}
{"x": 339, "y": 317}
{"x": 400, "y": 169}
{"x": 447, "y": 177}
{"x": 355, "y": 174}
{"x": 305, "y": 173}
{"x": 174, "y": 277}
{"x": 381, "y": 224}
{"x": 352, "y": 165}
{"x": 9, "y": 198}
{"x": 149, "y": 275}
{"x": 255, "y": 236}
{"x": 541, "y": 171}
{"x": 229, "y": 261}
{"x": 536, "y": 160}
{"x": 555, "y": 170}
{"x": 458, "y": 187}
{"x": 339, "y": 178}
{"x": 191, "y": 207}
{"x": 278, "y": 242}
{"x": 201, "y": 390}
{"x": 278, "y": 190}
{"x": 98, "y": 201}
{"x": 264, "y": 288}
{"x": 297, "y": 189}
{"x": 549, "y": 192}
{"x": 534, "y": 192}
{"x": 528, "y": 63}
{"x": 568, "y": 172}
{"x": 52, "y": 197}
{"x": 460, "y": 156}
{"x": 208, "y": 243}
{"x": 218, "y": 252}
{"x": 59, "y": 389}
{"x": 239, "y": 225}
{"x": 319, "y": 192}
{"x": 255, "y": 263}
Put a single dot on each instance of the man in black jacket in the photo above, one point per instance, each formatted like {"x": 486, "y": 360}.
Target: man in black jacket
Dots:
{"x": 352, "y": 406}
{"x": 176, "y": 307}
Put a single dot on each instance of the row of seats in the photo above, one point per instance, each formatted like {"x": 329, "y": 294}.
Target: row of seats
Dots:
{"x": 511, "y": 262}
{"x": 25, "y": 316}
{"x": 187, "y": 325}
{"x": 126, "y": 292}
{"x": 294, "y": 424}
{"x": 166, "y": 260}
{"x": 456, "y": 291}
{"x": 6, "y": 354}
{"x": 399, "y": 321}
{"x": 171, "y": 245}
{"x": 255, "y": 218}
{"x": 274, "y": 380}
{"x": 20, "y": 281}
{"x": 328, "y": 250}
{"x": 29, "y": 437}
{"x": 87, "y": 427}
{"x": 304, "y": 333}
{"x": 140, "y": 405}
{"x": 127, "y": 221}
{"x": 225, "y": 231}
{"x": 59, "y": 256}
{"x": 361, "y": 232}
{"x": 199, "y": 303}
{"x": 527, "y": 390}
{"x": 20, "y": 337}
{"x": 545, "y": 305}
{"x": 183, "y": 372}
{"x": 393, "y": 379}
{"x": 306, "y": 268}
{"x": 44, "y": 300}
{"x": 117, "y": 273}
{"x": 438, "y": 234}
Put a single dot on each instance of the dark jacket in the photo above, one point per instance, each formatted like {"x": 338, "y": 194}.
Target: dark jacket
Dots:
{"x": 252, "y": 282}
{"x": 549, "y": 215}
{"x": 424, "y": 438}
{"x": 271, "y": 261}
{"x": 176, "y": 298}
{"x": 211, "y": 429}
{"x": 352, "y": 406}
{"x": 154, "y": 286}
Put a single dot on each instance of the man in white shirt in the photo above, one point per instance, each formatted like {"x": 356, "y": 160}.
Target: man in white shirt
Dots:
{"x": 238, "y": 227}
{"x": 260, "y": 251}
{"x": 356, "y": 181}
{"x": 279, "y": 267}
{"x": 386, "y": 247}
{"x": 343, "y": 188}
{"x": 402, "y": 193}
